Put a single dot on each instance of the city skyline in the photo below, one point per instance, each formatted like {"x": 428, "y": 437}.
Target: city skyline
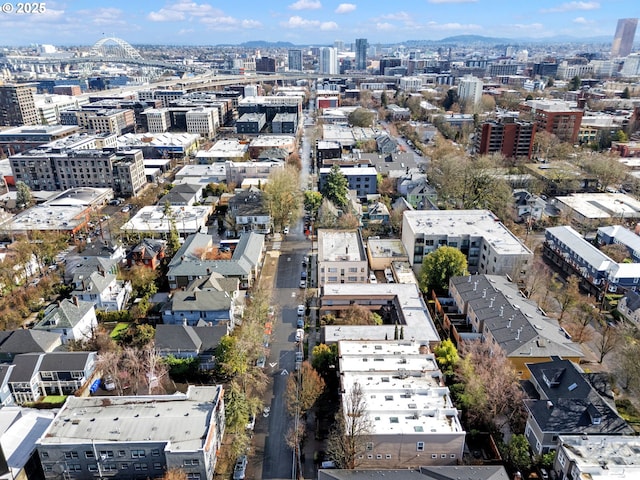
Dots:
{"x": 308, "y": 22}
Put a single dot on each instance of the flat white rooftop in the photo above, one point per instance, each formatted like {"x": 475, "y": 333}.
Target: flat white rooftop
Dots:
{"x": 273, "y": 141}
{"x": 621, "y": 454}
{"x": 339, "y": 245}
{"x": 227, "y": 148}
{"x": 465, "y": 223}
{"x": 187, "y": 219}
{"x": 602, "y": 205}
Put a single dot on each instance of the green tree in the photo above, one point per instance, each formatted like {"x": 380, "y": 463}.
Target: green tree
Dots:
{"x": 312, "y": 202}
{"x": 574, "y": 84}
{"x": 282, "y": 197}
{"x": 230, "y": 360}
{"x": 447, "y": 356}
{"x": 516, "y": 453}
{"x": 450, "y": 99}
{"x": 237, "y": 409}
{"x": 24, "y": 198}
{"x": 336, "y": 187}
{"x": 137, "y": 335}
{"x": 324, "y": 359}
{"x": 361, "y": 117}
{"x": 621, "y": 136}
{"x": 439, "y": 266}
{"x": 625, "y": 93}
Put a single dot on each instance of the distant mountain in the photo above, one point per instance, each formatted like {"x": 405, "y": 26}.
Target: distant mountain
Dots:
{"x": 474, "y": 39}
{"x": 264, "y": 44}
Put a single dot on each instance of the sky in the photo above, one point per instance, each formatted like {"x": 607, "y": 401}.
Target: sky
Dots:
{"x": 305, "y": 22}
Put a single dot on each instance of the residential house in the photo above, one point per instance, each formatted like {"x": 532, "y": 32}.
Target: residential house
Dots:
{"x": 211, "y": 299}
{"x": 36, "y": 375}
{"x": 440, "y": 472}
{"x": 629, "y": 306}
{"x": 364, "y": 180}
{"x": 249, "y": 212}
{"x": 5, "y": 391}
{"x": 184, "y": 341}
{"x": 183, "y": 194}
{"x": 15, "y": 342}
{"x": 149, "y": 252}
{"x": 377, "y": 213}
{"x": 563, "y": 401}
{"x": 103, "y": 289}
{"x": 136, "y": 436}
{"x": 386, "y": 144}
{"x": 71, "y": 319}
{"x": 192, "y": 260}
{"x": 528, "y": 206}
{"x": 490, "y": 308}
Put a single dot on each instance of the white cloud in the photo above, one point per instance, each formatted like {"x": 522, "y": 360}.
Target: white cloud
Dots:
{"x": 453, "y": 1}
{"x": 299, "y": 22}
{"x": 183, "y": 10}
{"x": 401, "y": 16}
{"x": 527, "y": 26}
{"x": 582, "y": 21}
{"x": 306, "y": 5}
{"x": 572, "y": 6}
{"x": 345, "y": 8}
{"x": 249, "y": 24}
{"x": 385, "y": 27}
{"x": 328, "y": 26}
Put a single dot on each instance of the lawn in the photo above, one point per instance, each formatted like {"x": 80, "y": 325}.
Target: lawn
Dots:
{"x": 118, "y": 329}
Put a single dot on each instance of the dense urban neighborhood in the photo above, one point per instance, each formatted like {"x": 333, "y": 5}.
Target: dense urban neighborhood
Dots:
{"x": 275, "y": 261}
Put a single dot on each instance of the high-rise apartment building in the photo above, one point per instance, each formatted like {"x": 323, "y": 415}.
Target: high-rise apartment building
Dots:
{"x": 328, "y": 61}
{"x": 508, "y": 136}
{"x": 470, "y": 89}
{"x": 361, "y": 53}
{"x": 295, "y": 60}
{"x": 554, "y": 116}
{"x": 266, "y": 64}
{"x": 17, "y": 105}
{"x": 623, "y": 39}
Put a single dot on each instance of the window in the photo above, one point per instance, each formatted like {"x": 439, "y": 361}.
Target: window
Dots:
{"x": 388, "y": 398}
{"x": 122, "y": 453}
{"x": 420, "y": 447}
{"x": 379, "y": 456}
{"x": 369, "y": 446}
{"x": 155, "y": 452}
{"x": 140, "y": 466}
{"x": 157, "y": 466}
{"x": 89, "y": 454}
{"x": 93, "y": 468}
{"x": 124, "y": 466}
{"x": 193, "y": 476}
{"x": 137, "y": 454}
{"x": 74, "y": 467}
{"x": 453, "y": 455}
{"x": 109, "y": 468}
{"x": 191, "y": 461}
{"x": 106, "y": 454}
{"x": 70, "y": 455}
{"x": 44, "y": 454}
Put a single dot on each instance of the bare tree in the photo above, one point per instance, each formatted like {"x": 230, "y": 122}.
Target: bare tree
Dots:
{"x": 567, "y": 294}
{"x": 351, "y": 432}
{"x": 610, "y": 338}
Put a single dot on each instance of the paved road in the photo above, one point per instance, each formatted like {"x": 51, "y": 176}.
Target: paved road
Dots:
{"x": 277, "y": 458}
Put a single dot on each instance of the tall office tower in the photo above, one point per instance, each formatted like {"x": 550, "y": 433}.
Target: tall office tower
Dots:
{"x": 339, "y": 45}
{"x": 17, "y": 106}
{"x": 266, "y": 64}
{"x": 623, "y": 40}
{"x": 295, "y": 60}
{"x": 470, "y": 89}
{"x": 328, "y": 60}
{"x": 361, "y": 53}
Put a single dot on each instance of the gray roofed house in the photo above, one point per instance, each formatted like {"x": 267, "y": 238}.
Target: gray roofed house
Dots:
{"x": 211, "y": 299}
{"x": 183, "y": 341}
{"x": 80, "y": 265}
{"x": 567, "y": 404}
{"x": 190, "y": 262}
{"x": 386, "y": 144}
{"x": 27, "y": 341}
{"x": 183, "y": 194}
{"x": 249, "y": 211}
{"x": 629, "y": 306}
{"x": 5, "y": 391}
{"x": 459, "y": 472}
{"x": 103, "y": 289}
{"x": 72, "y": 319}
{"x": 495, "y": 311}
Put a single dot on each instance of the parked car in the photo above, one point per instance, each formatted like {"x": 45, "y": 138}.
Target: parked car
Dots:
{"x": 300, "y": 310}
{"x": 299, "y": 356}
{"x": 372, "y": 278}
{"x": 300, "y": 323}
{"x": 285, "y": 230}
{"x": 261, "y": 361}
{"x": 252, "y": 422}
{"x": 125, "y": 209}
{"x": 271, "y": 312}
{"x": 303, "y": 283}
{"x": 299, "y": 334}
{"x": 240, "y": 469}
{"x": 108, "y": 383}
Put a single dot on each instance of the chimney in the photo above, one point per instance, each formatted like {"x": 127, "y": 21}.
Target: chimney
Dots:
{"x": 75, "y": 301}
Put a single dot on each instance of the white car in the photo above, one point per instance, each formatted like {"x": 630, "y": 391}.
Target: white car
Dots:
{"x": 299, "y": 334}
{"x": 285, "y": 230}
{"x": 300, "y": 310}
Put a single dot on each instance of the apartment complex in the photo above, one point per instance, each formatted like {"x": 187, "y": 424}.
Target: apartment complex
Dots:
{"x": 508, "y": 136}
{"x": 413, "y": 419}
{"x": 135, "y": 437}
{"x": 21, "y": 139}
{"x": 341, "y": 257}
{"x": 361, "y": 53}
{"x": 364, "y": 180}
{"x": 470, "y": 89}
{"x": 556, "y": 117}
{"x": 488, "y": 245}
{"x": 51, "y": 169}
{"x": 17, "y": 105}
{"x": 118, "y": 121}
{"x": 295, "y": 60}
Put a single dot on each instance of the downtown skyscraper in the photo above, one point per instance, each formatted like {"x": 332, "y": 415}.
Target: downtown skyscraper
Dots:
{"x": 361, "y": 53}
{"x": 623, "y": 39}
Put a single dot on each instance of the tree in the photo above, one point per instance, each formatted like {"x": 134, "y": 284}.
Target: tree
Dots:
{"x": 567, "y": 294}
{"x": 609, "y": 340}
{"x": 324, "y": 359}
{"x": 579, "y": 323}
{"x": 439, "y": 266}
{"x": 351, "y": 431}
{"x": 361, "y": 117}
{"x": 606, "y": 168}
{"x": 336, "y": 187}
{"x": 282, "y": 197}
{"x": 450, "y": 99}
{"x": 23, "y": 195}
{"x": 625, "y": 93}
{"x": 312, "y": 202}
{"x": 517, "y": 453}
{"x": 447, "y": 356}
{"x": 230, "y": 360}
{"x": 303, "y": 390}
{"x": 491, "y": 393}
{"x": 356, "y": 315}
{"x": 174, "y": 474}
{"x": 574, "y": 84}
{"x": 627, "y": 367}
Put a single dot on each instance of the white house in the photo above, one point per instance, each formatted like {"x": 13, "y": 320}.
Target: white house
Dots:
{"x": 72, "y": 319}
